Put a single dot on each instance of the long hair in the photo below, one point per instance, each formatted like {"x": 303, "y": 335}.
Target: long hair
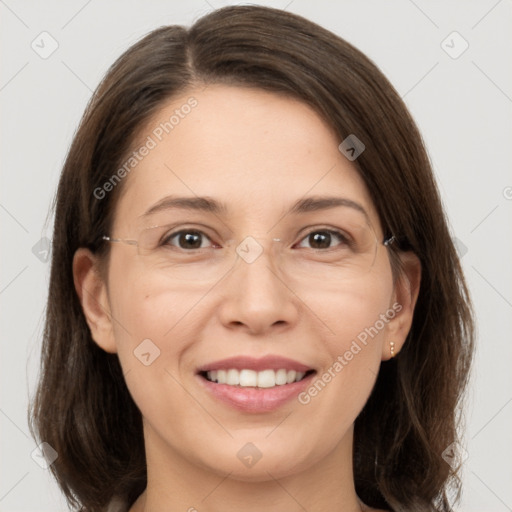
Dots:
{"x": 82, "y": 406}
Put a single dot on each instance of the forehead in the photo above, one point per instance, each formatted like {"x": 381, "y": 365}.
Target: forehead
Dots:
{"x": 256, "y": 151}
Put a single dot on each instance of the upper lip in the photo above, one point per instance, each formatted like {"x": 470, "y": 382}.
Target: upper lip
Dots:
{"x": 269, "y": 362}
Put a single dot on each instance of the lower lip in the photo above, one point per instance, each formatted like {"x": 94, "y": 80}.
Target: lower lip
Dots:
{"x": 256, "y": 400}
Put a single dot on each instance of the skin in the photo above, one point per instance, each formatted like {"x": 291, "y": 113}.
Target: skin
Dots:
{"x": 258, "y": 152}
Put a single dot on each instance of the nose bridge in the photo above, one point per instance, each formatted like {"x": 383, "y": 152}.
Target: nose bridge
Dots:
{"x": 256, "y": 263}
{"x": 256, "y": 295}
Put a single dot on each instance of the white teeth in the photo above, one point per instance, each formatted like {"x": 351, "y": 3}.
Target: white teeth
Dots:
{"x": 281, "y": 377}
{"x": 290, "y": 376}
{"x": 251, "y": 378}
{"x": 266, "y": 379}
{"x": 233, "y": 377}
{"x": 248, "y": 378}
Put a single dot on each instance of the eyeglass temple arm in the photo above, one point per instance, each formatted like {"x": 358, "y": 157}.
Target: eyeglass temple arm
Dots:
{"x": 122, "y": 240}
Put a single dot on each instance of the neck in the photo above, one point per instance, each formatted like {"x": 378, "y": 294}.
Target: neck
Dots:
{"x": 175, "y": 483}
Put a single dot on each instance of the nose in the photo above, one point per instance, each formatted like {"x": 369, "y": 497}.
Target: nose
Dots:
{"x": 256, "y": 297}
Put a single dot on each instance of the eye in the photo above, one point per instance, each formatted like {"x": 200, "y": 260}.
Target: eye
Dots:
{"x": 322, "y": 239}
{"x": 187, "y": 239}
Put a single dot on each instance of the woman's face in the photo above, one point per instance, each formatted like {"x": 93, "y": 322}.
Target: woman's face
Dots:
{"x": 313, "y": 302}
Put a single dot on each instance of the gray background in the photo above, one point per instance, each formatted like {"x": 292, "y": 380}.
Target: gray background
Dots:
{"x": 462, "y": 105}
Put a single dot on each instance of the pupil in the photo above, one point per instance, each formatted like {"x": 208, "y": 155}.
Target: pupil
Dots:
{"x": 190, "y": 240}
{"x": 322, "y": 240}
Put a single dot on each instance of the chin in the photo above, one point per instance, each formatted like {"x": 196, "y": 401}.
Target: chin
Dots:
{"x": 250, "y": 464}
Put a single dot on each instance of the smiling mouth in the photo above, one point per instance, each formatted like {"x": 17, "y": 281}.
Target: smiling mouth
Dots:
{"x": 264, "y": 379}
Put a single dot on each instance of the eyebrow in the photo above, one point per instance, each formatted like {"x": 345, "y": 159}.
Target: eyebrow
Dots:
{"x": 209, "y": 205}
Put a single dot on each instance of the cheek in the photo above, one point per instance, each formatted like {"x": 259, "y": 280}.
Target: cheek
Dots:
{"x": 353, "y": 311}
{"x": 357, "y": 318}
{"x": 143, "y": 300}
{"x": 146, "y": 307}
{"x": 153, "y": 332}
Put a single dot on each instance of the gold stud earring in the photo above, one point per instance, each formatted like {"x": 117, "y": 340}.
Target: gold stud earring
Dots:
{"x": 392, "y": 348}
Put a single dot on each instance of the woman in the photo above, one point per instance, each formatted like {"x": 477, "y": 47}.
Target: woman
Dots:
{"x": 255, "y": 302}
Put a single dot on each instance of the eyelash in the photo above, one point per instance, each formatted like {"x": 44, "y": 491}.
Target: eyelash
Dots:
{"x": 340, "y": 235}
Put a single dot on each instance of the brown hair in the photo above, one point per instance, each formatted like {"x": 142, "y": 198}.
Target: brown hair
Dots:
{"x": 82, "y": 406}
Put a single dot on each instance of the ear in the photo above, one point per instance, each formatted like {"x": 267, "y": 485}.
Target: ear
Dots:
{"x": 92, "y": 292}
{"x": 406, "y": 292}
